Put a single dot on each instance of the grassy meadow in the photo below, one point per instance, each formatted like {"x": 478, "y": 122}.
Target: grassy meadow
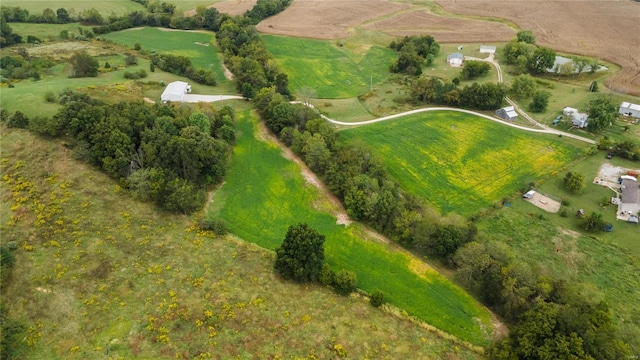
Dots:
{"x": 198, "y": 46}
{"x": 106, "y": 7}
{"x": 334, "y": 72}
{"x": 462, "y": 163}
{"x": 264, "y": 194}
{"x": 100, "y": 275}
{"x": 46, "y": 32}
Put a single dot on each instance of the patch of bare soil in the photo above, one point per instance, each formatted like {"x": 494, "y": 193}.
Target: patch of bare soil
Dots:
{"x": 227, "y": 73}
{"x": 544, "y": 202}
{"x": 336, "y": 208}
{"x": 607, "y": 30}
{"x": 148, "y": 100}
{"x": 442, "y": 28}
{"x": 326, "y": 20}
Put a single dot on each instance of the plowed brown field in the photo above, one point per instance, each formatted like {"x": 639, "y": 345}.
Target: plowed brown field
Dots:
{"x": 326, "y": 19}
{"x": 609, "y": 30}
{"x": 442, "y": 28}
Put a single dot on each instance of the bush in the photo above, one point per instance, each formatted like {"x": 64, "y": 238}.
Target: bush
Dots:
{"x": 564, "y": 212}
{"x": 50, "y": 97}
{"x": 344, "y": 282}
{"x": 140, "y": 74}
{"x": 327, "y": 276}
{"x": 377, "y": 298}
{"x": 131, "y": 60}
{"x": 6, "y": 258}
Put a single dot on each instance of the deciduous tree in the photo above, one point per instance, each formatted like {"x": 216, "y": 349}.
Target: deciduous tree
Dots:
{"x": 301, "y": 255}
{"x": 574, "y": 182}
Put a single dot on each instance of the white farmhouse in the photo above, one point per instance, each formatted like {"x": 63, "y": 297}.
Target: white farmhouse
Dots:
{"x": 455, "y": 59}
{"x": 175, "y": 91}
{"x": 629, "y": 109}
{"x": 579, "y": 120}
{"x": 568, "y": 111}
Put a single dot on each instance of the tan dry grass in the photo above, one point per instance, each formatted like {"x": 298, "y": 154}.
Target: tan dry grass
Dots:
{"x": 444, "y": 29}
{"x": 326, "y": 20}
{"x": 608, "y": 30}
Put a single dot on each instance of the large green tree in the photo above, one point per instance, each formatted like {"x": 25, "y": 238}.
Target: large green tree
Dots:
{"x": 301, "y": 254}
{"x": 602, "y": 113}
{"x": 541, "y": 59}
{"x": 540, "y": 102}
{"x": 574, "y": 182}
{"x": 523, "y": 87}
{"x": 83, "y": 65}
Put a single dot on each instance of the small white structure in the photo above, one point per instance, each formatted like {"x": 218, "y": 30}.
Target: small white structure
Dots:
{"x": 630, "y": 199}
{"x": 175, "y": 91}
{"x": 580, "y": 120}
{"x": 568, "y": 111}
{"x": 629, "y": 109}
{"x": 529, "y": 194}
{"x": 487, "y": 49}
{"x": 507, "y": 113}
{"x": 455, "y": 59}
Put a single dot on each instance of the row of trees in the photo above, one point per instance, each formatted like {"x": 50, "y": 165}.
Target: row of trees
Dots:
{"x": 486, "y": 96}
{"x": 166, "y": 154}
{"x": 414, "y": 52}
{"x": 181, "y": 65}
{"x": 49, "y": 16}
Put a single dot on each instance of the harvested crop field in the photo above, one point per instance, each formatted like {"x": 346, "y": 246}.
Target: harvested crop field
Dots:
{"x": 326, "y": 19}
{"x": 608, "y": 30}
{"x": 231, "y": 7}
{"x": 442, "y": 28}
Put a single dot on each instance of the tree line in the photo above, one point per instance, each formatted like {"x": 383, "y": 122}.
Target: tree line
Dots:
{"x": 433, "y": 90}
{"x": 163, "y": 153}
{"x": 413, "y": 53}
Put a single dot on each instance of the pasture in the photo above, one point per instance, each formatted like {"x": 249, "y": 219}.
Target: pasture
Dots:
{"x": 461, "y": 163}
{"x": 199, "y": 46}
{"x": 333, "y": 72}
{"x": 46, "y": 32}
{"x": 98, "y": 273}
{"x": 105, "y": 7}
{"x": 265, "y": 193}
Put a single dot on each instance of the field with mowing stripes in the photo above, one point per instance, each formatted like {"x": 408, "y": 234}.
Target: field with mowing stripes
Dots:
{"x": 265, "y": 193}
{"x": 462, "y": 163}
{"x": 332, "y": 71}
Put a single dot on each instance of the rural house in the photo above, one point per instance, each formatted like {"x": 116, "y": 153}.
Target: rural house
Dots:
{"x": 175, "y": 91}
{"x": 455, "y": 59}
{"x": 487, "y": 49}
{"x": 630, "y": 201}
{"x": 568, "y": 111}
{"x": 507, "y": 113}
{"x": 578, "y": 119}
{"x": 629, "y": 109}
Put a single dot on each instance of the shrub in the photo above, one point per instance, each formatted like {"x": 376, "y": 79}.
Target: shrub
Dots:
{"x": 563, "y": 212}
{"x": 6, "y": 258}
{"x": 344, "y": 282}
{"x": 377, "y": 298}
{"x": 107, "y": 65}
{"x": 137, "y": 46}
{"x": 140, "y": 74}
{"x": 50, "y": 97}
{"x": 327, "y": 275}
{"x": 131, "y": 60}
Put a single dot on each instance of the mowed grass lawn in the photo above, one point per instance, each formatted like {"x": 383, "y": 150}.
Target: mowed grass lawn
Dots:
{"x": 46, "y": 31}
{"x": 105, "y": 7}
{"x": 264, "y": 194}
{"x": 332, "y": 71}
{"x": 198, "y": 46}
{"x": 459, "y": 162}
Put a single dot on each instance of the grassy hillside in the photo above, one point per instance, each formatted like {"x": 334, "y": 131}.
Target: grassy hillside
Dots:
{"x": 264, "y": 194}
{"x": 332, "y": 71}
{"x": 462, "y": 163}
{"x": 46, "y": 31}
{"x": 100, "y": 275}
{"x": 198, "y": 46}
{"x": 106, "y": 7}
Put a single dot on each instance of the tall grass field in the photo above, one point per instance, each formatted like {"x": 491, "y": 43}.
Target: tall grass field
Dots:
{"x": 198, "y": 46}
{"x": 99, "y": 275}
{"x": 332, "y": 71}
{"x": 265, "y": 193}
{"x": 459, "y": 162}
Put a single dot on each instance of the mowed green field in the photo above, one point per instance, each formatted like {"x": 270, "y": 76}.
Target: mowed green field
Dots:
{"x": 199, "y": 46}
{"x": 333, "y": 72}
{"x": 106, "y": 7}
{"x": 459, "y": 162}
{"x": 265, "y": 193}
{"x": 45, "y": 31}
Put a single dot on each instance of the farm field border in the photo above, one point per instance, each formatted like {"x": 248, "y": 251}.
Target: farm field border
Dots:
{"x": 105, "y": 7}
{"x": 259, "y": 204}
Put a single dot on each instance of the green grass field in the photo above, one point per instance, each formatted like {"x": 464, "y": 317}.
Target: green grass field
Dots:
{"x": 264, "y": 194}
{"x": 332, "y": 71}
{"x": 46, "y": 31}
{"x": 99, "y": 275}
{"x": 602, "y": 267}
{"x": 461, "y": 163}
{"x": 203, "y": 55}
{"x": 106, "y": 7}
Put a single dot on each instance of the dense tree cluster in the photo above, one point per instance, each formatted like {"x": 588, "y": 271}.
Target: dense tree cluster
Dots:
{"x": 486, "y": 96}
{"x": 413, "y": 53}
{"x": 166, "y": 154}
{"x": 83, "y": 65}
{"x": 48, "y": 16}
{"x": 627, "y": 149}
{"x": 526, "y": 56}
{"x": 603, "y": 112}
{"x": 301, "y": 255}
{"x": 474, "y": 69}
{"x": 18, "y": 67}
{"x": 181, "y": 65}
{"x": 264, "y": 9}
{"x": 7, "y": 36}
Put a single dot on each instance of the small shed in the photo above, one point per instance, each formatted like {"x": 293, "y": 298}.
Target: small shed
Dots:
{"x": 507, "y": 113}
{"x": 529, "y": 194}
{"x": 487, "y": 49}
{"x": 569, "y": 111}
{"x": 455, "y": 59}
{"x": 633, "y": 219}
{"x": 175, "y": 91}
{"x": 629, "y": 109}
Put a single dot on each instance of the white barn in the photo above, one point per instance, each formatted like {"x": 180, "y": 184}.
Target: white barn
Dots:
{"x": 455, "y": 59}
{"x": 175, "y": 91}
{"x": 507, "y": 113}
{"x": 487, "y": 49}
{"x": 629, "y": 109}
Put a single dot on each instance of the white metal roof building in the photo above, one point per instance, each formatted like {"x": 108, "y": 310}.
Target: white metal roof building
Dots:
{"x": 487, "y": 49}
{"x": 507, "y": 113}
{"x": 580, "y": 120}
{"x": 175, "y": 91}
{"x": 455, "y": 59}
{"x": 629, "y": 109}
